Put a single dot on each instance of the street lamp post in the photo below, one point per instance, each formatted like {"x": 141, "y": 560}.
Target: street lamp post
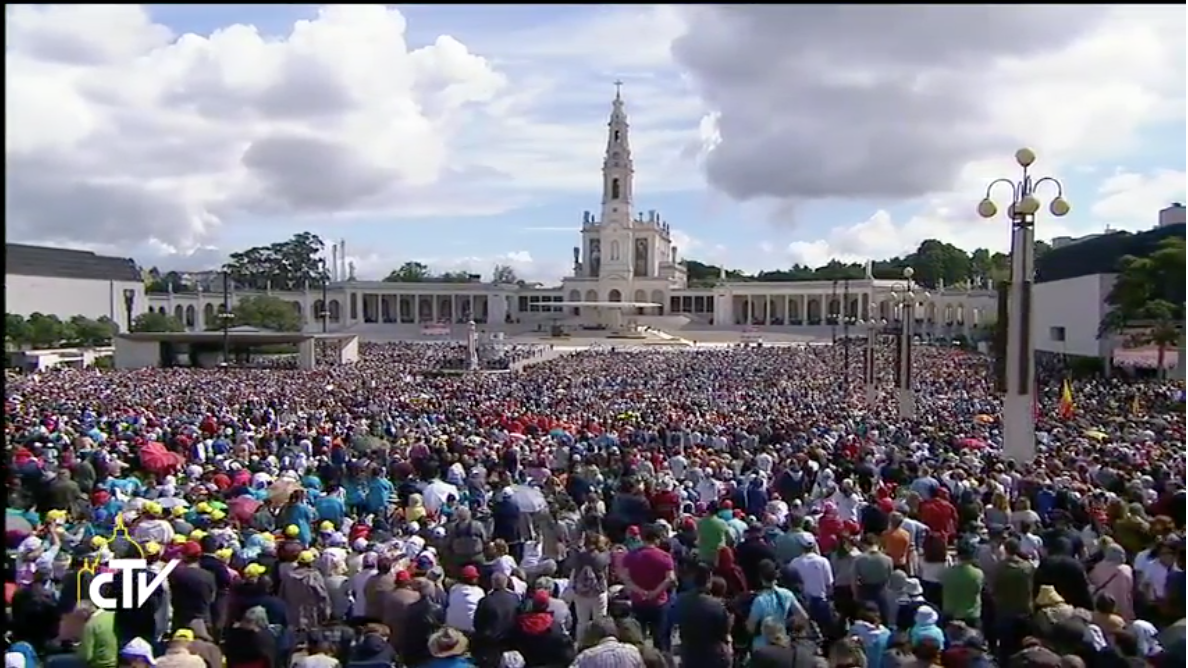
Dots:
{"x": 833, "y": 313}
{"x": 129, "y": 300}
{"x": 873, "y": 326}
{"x": 907, "y": 297}
{"x": 1018, "y": 417}
{"x": 847, "y": 318}
{"x": 472, "y": 345}
{"x": 325, "y": 314}
{"x": 225, "y": 318}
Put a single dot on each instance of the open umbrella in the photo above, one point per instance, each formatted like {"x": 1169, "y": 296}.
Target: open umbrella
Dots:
{"x": 242, "y": 508}
{"x": 436, "y": 493}
{"x": 156, "y": 459}
{"x": 281, "y": 490}
{"x": 528, "y": 499}
{"x": 984, "y": 419}
{"x": 1096, "y": 435}
{"x": 971, "y": 443}
{"x": 17, "y": 524}
{"x": 170, "y": 502}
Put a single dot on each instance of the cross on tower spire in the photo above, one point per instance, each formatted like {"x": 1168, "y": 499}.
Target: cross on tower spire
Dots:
{"x": 618, "y": 89}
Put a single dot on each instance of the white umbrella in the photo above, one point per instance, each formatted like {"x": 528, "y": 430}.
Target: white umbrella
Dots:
{"x": 436, "y": 493}
{"x": 528, "y": 499}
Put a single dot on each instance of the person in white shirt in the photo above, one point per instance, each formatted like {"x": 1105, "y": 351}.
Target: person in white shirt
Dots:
{"x": 463, "y": 600}
{"x": 359, "y": 580}
{"x": 816, "y": 579}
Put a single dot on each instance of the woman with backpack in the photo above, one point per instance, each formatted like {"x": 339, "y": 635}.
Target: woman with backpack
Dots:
{"x": 589, "y": 582}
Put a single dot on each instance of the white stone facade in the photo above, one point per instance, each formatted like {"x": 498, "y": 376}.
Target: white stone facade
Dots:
{"x": 626, "y": 255}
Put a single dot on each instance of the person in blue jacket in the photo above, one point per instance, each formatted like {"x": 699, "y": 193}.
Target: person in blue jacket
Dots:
{"x": 298, "y": 513}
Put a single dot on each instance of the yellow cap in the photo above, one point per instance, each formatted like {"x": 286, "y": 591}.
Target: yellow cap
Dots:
{"x": 179, "y": 539}
{"x": 254, "y": 571}
{"x": 267, "y": 537}
{"x": 306, "y": 557}
{"x": 203, "y": 507}
{"x": 153, "y": 508}
{"x": 98, "y": 542}
{"x": 183, "y": 634}
{"x": 178, "y": 511}
{"x": 152, "y": 548}
{"x": 292, "y": 531}
{"x": 327, "y": 526}
{"x": 197, "y": 534}
{"x": 224, "y": 554}
{"x": 56, "y": 515}
{"x": 216, "y": 515}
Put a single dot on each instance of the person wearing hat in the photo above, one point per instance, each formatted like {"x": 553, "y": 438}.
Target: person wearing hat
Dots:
{"x": 464, "y": 598}
{"x": 192, "y": 589}
{"x": 218, "y": 568}
{"x": 539, "y": 636}
{"x": 138, "y": 653}
{"x": 177, "y": 652}
{"x": 303, "y": 589}
{"x": 449, "y": 649}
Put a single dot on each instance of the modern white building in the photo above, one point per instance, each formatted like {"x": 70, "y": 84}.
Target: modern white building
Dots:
{"x": 624, "y": 255}
{"x": 1172, "y": 215}
{"x": 66, "y": 283}
{"x": 1068, "y": 314}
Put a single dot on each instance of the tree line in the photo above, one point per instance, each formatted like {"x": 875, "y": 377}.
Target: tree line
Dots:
{"x": 297, "y": 262}
{"x": 259, "y": 311}
{"x": 934, "y": 262}
{"x": 39, "y": 331}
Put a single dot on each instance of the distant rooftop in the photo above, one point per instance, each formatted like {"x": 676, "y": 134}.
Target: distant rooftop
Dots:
{"x": 25, "y": 260}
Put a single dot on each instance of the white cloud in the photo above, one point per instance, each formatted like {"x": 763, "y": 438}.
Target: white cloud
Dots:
{"x": 119, "y": 130}
{"x": 1130, "y": 200}
{"x": 1083, "y": 98}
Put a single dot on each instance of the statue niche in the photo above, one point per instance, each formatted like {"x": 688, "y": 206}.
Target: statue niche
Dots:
{"x": 641, "y": 257}
{"x": 595, "y": 257}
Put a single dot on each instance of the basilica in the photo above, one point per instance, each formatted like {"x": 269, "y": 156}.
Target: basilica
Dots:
{"x": 626, "y": 265}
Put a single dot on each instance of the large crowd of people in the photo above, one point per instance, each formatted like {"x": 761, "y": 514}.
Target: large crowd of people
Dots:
{"x": 604, "y": 508}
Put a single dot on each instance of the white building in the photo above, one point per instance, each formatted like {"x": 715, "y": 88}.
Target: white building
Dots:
{"x": 625, "y": 255}
{"x": 1068, "y": 313}
{"x": 1172, "y": 215}
{"x": 66, "y": 283}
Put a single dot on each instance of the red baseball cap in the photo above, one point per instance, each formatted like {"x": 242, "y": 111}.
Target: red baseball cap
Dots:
{"x": 403, "y": 576}
{"x": 470, "y": 573}
{"x": 191, "y": 550}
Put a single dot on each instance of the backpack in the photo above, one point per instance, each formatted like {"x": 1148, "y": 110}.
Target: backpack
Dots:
{"x": 585, "y": 579}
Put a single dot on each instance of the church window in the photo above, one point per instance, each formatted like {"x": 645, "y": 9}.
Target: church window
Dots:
{"x": 616, "y": 136}
{"x": 615, "y": 189}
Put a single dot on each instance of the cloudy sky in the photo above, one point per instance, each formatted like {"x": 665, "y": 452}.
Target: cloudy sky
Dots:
{"x": 464, "y": 136}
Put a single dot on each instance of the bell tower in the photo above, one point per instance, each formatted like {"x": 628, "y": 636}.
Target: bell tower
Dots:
{"x": 618, "y": 173}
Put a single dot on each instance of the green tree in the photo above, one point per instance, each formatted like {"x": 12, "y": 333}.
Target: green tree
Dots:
{"x": 45, "y": 331}
{"x": 454, "y": 277}
{"x": 152, "y": 321}
{"x": 504, "y": 274}
{"x": 91, "y": 333}
{"x": 17, "y": 332}
{"x": 170, "y": 281}
{"x": 265, "y": 312}
{"x": 285, "y": 265}
{"x": 1146, "y": 306}
{"x": 409, "y": 272}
